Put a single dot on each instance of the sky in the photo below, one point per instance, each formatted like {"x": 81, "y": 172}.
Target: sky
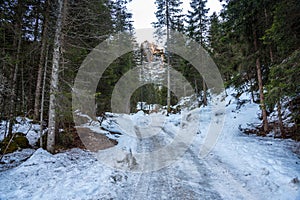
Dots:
{"x": 143, "y": 11}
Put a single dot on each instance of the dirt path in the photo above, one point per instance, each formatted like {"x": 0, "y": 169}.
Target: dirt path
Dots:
{"x": 94, "y": 141}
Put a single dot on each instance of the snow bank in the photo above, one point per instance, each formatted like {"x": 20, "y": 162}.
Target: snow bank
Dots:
{"x": 255, "y": 167}
{"x": 71, "y": 175}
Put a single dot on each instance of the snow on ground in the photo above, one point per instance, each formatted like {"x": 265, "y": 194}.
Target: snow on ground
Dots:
{"x": 71, "y": 175}
{"x": 23, "y": 125}
{"x": 239, "y": 167}
{"x": 254, "y": 167}
{"x": 14, "y": 159}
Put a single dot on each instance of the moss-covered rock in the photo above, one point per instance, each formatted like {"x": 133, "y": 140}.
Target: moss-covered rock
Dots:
{"x": 18, "y": 142}
{"x": 22, "y": 142}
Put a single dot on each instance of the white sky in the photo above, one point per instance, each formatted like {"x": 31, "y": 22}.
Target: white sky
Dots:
{"x": 143, "y": 11}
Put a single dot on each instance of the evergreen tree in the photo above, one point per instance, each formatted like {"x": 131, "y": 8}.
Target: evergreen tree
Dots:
{"x": 284, "y": 82}
{"x": 44, "y": 38}
{"x": 168, "y": 15}
{"x": 197, "y": 21}
{"x": 214, "y": 33}
{"x": 261, "y": 34}
{"x": 244, "y": 28}
{"x": 284, "y": 71}
{"x": 121, "y": 22}
{"x": 121, "y": 17}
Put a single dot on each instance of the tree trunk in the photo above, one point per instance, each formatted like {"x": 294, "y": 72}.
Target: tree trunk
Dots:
{"x": 196, "y": 87}
{"x": 36, "y": 26}
{"x": 267, "y": 23}
{"x": 252, "y": 92}
{"x": 43, "y": 97}
{"x": 41, "y": 63}
{"x": 13, "y": 89}
{"x": 204, "y": 93}
{"x": 168, "y": 60}
{"x": 14, "y": 75}
{"x": 23, "y": 107}
{"x": 280, "y": 119}
{"x": 260, "y": 85}
{"x": 54, "y": 80}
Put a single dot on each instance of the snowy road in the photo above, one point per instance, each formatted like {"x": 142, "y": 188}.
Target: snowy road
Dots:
{"x": 239, "y": 167}
{"x": 185, "y": 179}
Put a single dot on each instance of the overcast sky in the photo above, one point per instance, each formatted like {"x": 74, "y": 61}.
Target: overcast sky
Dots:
{"x": 143, "y": 11}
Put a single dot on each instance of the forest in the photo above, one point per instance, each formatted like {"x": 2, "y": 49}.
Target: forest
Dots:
{"x": 43, "y": 44}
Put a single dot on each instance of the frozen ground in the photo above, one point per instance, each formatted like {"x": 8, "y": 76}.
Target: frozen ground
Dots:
{"x": 239, "y": 166}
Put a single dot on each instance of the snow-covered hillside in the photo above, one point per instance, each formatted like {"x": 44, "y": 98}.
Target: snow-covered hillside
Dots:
{"x": 239, "y": 166}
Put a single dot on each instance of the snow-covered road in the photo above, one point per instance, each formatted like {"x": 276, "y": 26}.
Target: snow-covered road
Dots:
{"x": 141, "y": 167}
{"x": 186, "y": 177}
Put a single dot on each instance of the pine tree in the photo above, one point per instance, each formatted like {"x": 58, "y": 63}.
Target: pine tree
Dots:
{"x": 27, "y": 32}
{"x": 121, "y": 22}
{"x": 17, "y": 44}
{"x": 283, "y": 80}
{"x": 45, "y": 35}
{"x": 168, "y": 15}
{"x": 244, "y": 28}
{"x": 122, "y": 18}
{"x": 87, "y": 23}
{"x": 197, "y": 21}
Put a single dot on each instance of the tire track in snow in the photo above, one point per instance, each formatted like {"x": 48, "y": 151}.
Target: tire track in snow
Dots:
{"x": 235, "y": 187}
{"x": 175, "y": 181}
{"x": 152, "y": 185}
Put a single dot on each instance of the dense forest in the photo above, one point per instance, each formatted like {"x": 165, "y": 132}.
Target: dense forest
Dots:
{"x": 43, "y": 43}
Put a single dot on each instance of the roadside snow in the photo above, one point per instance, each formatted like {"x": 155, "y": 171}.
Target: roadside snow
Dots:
{"x": 14, "y": 159}
{"x": 71, "y": 175}
{"x": 250, "y": 166}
